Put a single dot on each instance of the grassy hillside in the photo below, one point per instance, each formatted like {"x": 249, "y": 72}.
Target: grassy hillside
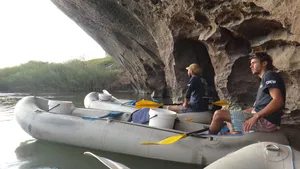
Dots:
{"x": 71, "y": 76}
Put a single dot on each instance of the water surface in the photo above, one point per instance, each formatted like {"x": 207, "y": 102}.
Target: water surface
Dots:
{"x": 20, "y": 151}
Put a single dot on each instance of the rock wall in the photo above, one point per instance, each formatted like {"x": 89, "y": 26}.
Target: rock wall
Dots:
{"x": 155, "y": 40}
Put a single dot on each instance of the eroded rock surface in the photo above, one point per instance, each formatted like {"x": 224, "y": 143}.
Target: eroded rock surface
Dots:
{"x": 156, "y": 39}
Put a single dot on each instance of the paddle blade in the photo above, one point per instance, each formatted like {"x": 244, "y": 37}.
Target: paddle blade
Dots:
{"x": 106, "y": 92}
{"x": 107, "y": 162}
{"x": 189, "y": 119}
{"x": 147, "y": 104}
{"x": 169, "y": 140}
{"x": 221, "y": 103}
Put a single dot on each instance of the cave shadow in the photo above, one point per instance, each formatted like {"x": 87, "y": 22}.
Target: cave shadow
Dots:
{"x": 187, "y": 51}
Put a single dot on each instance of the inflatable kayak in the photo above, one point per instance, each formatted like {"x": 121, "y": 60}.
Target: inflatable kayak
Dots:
{"x": 95, "y": 100}
{"x": 264, "y": 155}
{"x": 60, "y": 121}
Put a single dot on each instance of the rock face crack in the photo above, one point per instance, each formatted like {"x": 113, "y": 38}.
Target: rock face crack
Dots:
{"x": 155, "y": 40}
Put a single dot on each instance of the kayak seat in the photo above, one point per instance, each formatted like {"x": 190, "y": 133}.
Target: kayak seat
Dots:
{"x": 140, "y": 116}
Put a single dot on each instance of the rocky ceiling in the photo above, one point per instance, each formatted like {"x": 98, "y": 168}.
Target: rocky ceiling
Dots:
{"x": 155, "y": 40}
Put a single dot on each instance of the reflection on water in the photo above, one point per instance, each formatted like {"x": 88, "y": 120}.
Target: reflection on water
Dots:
{"x": 21, "y": 151}
{"x": 39, "y": 154}
{"x": 47, "y": 154}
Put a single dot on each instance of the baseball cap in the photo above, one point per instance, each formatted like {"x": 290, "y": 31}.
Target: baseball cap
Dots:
{"x": 195, "y": 68}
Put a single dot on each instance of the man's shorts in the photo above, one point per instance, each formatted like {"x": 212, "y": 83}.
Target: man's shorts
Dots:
{"x": 262, "y": 124}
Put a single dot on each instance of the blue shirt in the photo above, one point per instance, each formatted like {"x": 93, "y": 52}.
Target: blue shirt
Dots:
{"x": 263, "y": 98}
{"x": 195, "y": 94}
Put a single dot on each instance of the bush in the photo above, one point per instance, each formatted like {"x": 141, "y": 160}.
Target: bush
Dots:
{"x": 71, "y": 76}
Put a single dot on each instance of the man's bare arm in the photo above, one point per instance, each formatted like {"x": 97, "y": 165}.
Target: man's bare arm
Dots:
{"x": 275, "y": 105}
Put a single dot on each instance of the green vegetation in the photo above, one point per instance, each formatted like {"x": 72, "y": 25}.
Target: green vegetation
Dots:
{"x": 72, "y": 76}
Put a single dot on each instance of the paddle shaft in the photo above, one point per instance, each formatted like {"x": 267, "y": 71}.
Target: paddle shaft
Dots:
{"x": 197, "y": 131}
{"x": 117, "y": 100}
{"x": 54, "y": 107}
{"x": 106, "y": 92}
{"x": 107, "y": 162}
{"x": 173, "y": 104}
{"x": 173, "y": 139}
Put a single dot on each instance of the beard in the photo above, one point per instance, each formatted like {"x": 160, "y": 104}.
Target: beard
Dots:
{"x": 255, "y": 72}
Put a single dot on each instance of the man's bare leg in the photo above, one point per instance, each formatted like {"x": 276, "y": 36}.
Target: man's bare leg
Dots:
{"x": 229, "y": 125}
{"x": 175, "y": 108}
{"x": 218, "y": 121}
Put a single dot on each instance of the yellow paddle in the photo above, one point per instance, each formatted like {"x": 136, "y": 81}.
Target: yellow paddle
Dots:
{"x": 221, "y": 103}
{"x": 152, "y": 104}
{"x": 173, "y": 139}
{"x": 147, "y": 104}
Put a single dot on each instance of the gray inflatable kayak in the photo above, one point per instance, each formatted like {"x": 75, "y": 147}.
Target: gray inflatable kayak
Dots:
{"x": 60, "y": 121}
{"x": 264, "y": 155}
{"x": 93, "y": 101}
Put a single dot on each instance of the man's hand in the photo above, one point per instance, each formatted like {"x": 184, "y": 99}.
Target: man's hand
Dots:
{"x": 250, "y": 123}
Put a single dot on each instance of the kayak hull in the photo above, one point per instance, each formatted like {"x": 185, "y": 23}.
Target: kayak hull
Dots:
{"x": 268, "y": 155}
{"x": 117, "y": 135}
{"x": 92, "y": 100}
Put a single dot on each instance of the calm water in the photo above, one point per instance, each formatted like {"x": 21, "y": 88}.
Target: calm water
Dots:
{"x": 18, "y": 150}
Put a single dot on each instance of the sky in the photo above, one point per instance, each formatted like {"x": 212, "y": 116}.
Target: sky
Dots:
{"x": 38, "y": 30}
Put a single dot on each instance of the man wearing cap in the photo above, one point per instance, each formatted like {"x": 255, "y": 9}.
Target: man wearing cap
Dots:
{"x": 194, "y": 101}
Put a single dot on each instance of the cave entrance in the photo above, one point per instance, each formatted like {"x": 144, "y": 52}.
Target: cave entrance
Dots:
{"x": 187, "y": 51}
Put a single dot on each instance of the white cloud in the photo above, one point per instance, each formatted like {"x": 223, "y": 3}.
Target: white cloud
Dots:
{"x": 38, "y": 30}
